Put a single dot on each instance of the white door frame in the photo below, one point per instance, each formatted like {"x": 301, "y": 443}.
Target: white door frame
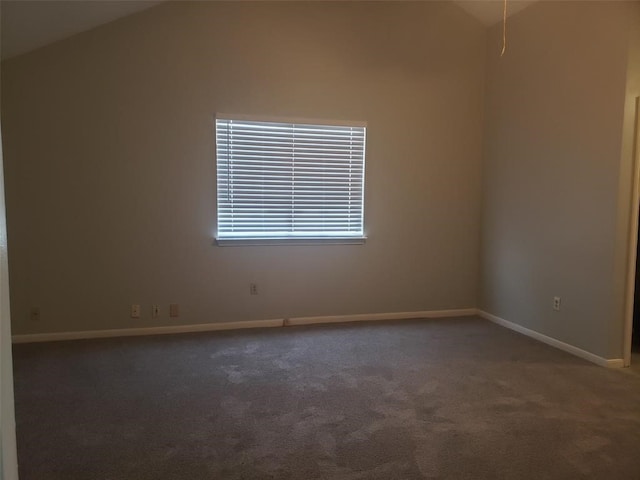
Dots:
{"x": 633, "y": 239}
{"x": 8, "y": 451}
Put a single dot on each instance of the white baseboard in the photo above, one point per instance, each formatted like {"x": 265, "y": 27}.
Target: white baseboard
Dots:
{"x": 210, "y": 327}
{"x": 133, "y": 332}
{"x": 369, "y": 317}
{"x": 578, "y": 352}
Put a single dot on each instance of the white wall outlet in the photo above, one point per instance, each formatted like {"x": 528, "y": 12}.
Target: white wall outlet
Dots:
{"x": 135, "y": 311}
{"x": 34, "y": 314}
{"x": 155, "y": 311}
{"x": 253, "y": 288}
{"x": 174, "y": 310}
{"x": 556, "y": 303}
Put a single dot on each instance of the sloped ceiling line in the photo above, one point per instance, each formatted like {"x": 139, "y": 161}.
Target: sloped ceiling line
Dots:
{"x": 28, "y": 25}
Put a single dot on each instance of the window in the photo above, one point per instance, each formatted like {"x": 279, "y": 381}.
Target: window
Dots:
{"x": 289, "y": 181}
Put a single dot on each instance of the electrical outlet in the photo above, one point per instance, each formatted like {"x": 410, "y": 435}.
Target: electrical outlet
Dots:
{"x": 253, "y": 288}
{"x": 556, "y": 303}
{"x": 135, "y": 311}
{"x": 155, "y": 311}
{"x": 174, "y": 310}
{"x": 34, "y": 314}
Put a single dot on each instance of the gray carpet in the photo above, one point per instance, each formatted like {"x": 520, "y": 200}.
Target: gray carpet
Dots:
{"x": 450, "y": 399}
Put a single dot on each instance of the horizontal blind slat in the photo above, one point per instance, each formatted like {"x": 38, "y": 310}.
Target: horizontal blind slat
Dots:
{"x": 289, "y": 180}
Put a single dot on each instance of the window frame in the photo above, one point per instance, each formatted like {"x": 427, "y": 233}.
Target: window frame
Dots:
{"x": 358, "y": 239}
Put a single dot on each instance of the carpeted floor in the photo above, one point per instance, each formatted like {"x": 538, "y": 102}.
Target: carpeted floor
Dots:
{"x": 449, "y": 399}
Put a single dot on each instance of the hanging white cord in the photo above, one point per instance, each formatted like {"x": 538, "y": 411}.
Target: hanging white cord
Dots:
{"x": 504, "y": 29}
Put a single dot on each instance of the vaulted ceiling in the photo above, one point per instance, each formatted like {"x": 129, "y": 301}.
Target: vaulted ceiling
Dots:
{"x": 490, "y": 12}
{"x": 27, "y": 25}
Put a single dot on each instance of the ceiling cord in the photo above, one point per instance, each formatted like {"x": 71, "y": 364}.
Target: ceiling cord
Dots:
{"x": 504, "y": 29}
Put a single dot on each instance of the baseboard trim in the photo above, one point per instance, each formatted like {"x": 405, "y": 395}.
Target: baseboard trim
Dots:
{"x": 372, "y": 317}
{"x": 614, "y": 363}
{"x": 367, "y": 317}
{"x": 578, "y": 352}
{"x": 211, "y": 327}
{"x": 134, "y": 332}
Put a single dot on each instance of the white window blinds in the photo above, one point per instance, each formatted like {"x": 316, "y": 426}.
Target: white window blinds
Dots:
{"x": 289, "y": 180}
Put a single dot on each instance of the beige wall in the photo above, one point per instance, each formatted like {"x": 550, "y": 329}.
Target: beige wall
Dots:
{"x": 109, "y": 154}
{"x": 555, "y": 187}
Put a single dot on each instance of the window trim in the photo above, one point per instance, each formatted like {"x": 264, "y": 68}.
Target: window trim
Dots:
{"x": 312, "y": 121}
{"x": 246, "y": 241}
{"x": 293, "y": 240}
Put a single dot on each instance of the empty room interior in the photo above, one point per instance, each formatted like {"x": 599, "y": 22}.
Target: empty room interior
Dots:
{"x": 320, "y": 240}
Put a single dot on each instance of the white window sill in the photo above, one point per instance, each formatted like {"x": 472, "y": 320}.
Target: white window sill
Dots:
{"x": 238, "y": 242}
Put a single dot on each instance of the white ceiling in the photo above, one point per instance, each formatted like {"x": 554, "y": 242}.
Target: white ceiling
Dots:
{"x": 491, "y": 12}
{"x": 27, "y": 24}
